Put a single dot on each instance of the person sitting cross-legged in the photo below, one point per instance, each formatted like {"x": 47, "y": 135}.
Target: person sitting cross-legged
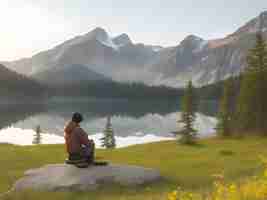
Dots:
{"x": 80, "y": 149}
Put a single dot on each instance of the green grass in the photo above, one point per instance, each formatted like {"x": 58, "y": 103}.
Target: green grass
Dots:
{"x": 190, "y": 167}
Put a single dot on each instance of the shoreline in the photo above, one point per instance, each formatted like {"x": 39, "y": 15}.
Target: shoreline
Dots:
{"x": 24, "y": 137}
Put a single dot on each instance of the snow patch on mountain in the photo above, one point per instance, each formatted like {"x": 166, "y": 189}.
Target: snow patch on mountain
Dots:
{"x": 98, "y": 34}
{"x": 122, "y": 40}
{"x": 199, "y": 77}
{"x": 202, "y": 44}
{"x": 177, "y": 81}
{"x": 60, "y": 53}
{"x": 196, "y": 76}
{"x": 193, "y": 38}
{"x": 108, "y": 42}
{"x": 157, "y": 48}
{"x": 102, "y": 36}
{"x": 212, "y": 77}
{"x": 204, "y": 58}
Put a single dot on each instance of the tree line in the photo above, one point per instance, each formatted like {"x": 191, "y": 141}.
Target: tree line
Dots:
{"x": 111, "y": 89}
{"x": 17, "y": 86}
{"x": 246, "y": 113}
{"x": 243, "y": 102}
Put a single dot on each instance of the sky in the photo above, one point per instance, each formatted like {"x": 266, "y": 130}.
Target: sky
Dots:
{"x": 30, "y": 26}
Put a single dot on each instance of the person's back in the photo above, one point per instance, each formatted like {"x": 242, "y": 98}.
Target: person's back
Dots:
{"x": 77, "y": 143}
{"x": 72, "y": 138}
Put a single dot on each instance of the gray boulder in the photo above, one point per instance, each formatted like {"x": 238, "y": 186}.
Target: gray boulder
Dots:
{"x": 62, "y": 177}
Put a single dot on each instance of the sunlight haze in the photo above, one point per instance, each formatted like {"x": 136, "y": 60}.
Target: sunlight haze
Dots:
{"x": 30, "y": 26}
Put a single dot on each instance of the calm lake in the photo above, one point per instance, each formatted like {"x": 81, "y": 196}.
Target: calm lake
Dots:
{"x": 133, "y": 121}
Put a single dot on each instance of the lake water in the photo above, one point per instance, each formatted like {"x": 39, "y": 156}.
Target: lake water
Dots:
{"x": 133, "y": 122}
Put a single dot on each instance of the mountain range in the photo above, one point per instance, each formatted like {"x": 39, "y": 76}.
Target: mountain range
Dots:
{"x": 98, "y": 56}
{"x": 72, "y": 74}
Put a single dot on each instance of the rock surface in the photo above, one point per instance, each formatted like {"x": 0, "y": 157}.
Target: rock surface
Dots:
{"x": 62, "y": 177}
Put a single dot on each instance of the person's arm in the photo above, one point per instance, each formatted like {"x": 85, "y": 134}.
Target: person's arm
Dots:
{"x": 83, "y": 137}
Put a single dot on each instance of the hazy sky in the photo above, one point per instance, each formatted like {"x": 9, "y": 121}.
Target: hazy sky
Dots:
{"x": 30, "y": 26}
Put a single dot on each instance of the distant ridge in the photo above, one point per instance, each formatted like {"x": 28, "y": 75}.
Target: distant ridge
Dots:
{"x": 71, "y": 74}
{"x": 118, "y": 58}
{"x": 13, "y": 84}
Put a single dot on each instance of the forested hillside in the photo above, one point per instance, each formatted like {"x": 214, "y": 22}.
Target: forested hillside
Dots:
{"x": 214, "y": 91}
{"x": 111, "y": 89}
{"x": 14, "y": 85}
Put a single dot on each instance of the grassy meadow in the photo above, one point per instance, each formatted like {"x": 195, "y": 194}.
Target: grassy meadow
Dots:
{"x": 190, "y": 167}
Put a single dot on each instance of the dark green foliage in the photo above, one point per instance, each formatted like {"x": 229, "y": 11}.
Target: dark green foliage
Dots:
{"x": 210, "y": 92}
{"x": 108, "y": 141}
{"x": 214, "y": 91}
{"x": 111, "y": 89}
{"x": 226, "y": 109}
{"x": 37, "y": 137}
{"x": 188, "y": 133}
{"x": 252, "y": 106}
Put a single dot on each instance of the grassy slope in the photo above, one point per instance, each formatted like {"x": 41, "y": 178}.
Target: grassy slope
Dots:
{"x": 189, "y": 167}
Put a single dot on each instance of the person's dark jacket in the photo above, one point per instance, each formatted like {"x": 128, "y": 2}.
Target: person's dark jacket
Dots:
{"x": 75, "y": 138}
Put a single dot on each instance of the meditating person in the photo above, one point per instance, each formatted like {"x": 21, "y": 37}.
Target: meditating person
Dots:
{"x": 78, "y": 146}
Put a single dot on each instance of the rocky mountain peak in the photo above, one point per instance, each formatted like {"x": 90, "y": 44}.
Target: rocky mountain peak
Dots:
{"x": 191, "y": 41}
{"x": 122, "y": 40}
{"x": 97, "y": 33}
{"x": 203, "y": 61}
{"x": 264, "y": 14}
{"x": 263, "y": 21}
{"x": 101, "y": 36}
{"x": 192, "y": 38}
{"x": 255, "y": 25}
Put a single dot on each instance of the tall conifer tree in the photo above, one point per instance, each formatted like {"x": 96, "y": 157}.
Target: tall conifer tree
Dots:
{"x": 226, "y": 109}
{"x": 252, "y": 102}
{"x": 188, "y": 133}
{"x": 37, "y": 138}
{"x": 108, "y": 141}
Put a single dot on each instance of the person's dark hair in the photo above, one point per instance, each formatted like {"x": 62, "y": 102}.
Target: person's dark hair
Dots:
{"x": 77, "y": 117}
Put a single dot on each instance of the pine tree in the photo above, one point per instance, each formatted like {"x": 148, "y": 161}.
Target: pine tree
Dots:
{"x": 226, "y": 109}
{"x": 252, "y": 106}
{"x": 37, "y": 137}
{"x": 108, "y": 141}
{"x": 188, "y": 133}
